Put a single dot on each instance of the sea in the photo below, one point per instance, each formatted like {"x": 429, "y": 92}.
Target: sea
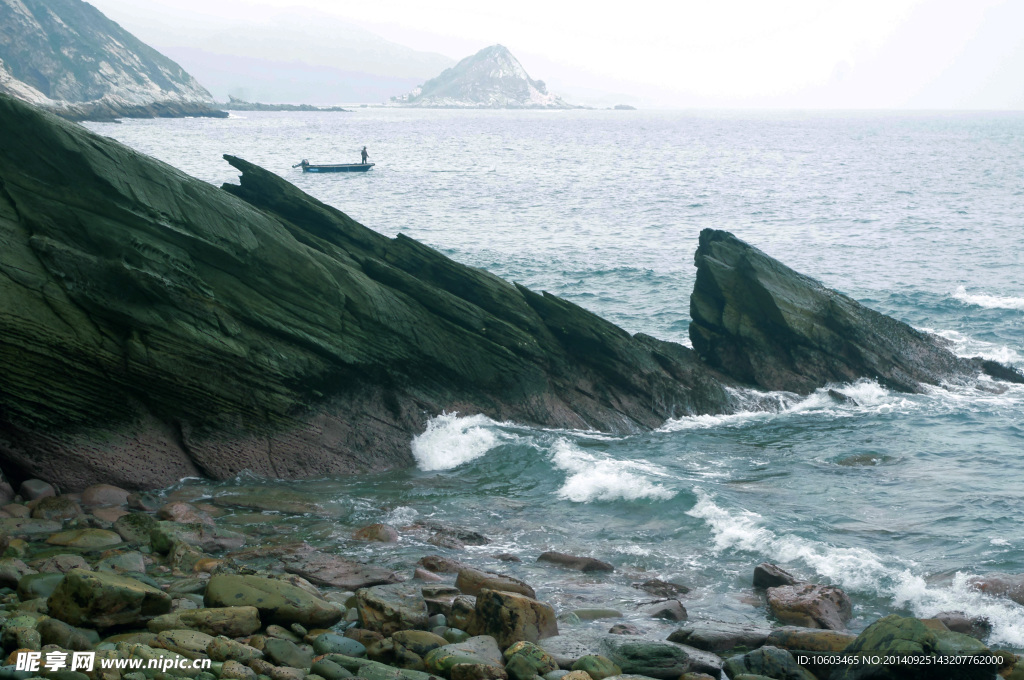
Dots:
{"x": 899, "y": 499}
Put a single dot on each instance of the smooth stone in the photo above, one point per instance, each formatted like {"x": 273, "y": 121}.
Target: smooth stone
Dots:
{"x": 227, "y": 621}
{"x": 511, "y": 617}
{"x": 597, "y": 667}
{"x": 596, "y": 614}
{"x": 481, "y": 649}
{"x": 190, "y": 643}
{"x": 104, "y": 494}
{"x": 232, "y": 670}
{"x": 419, "y": 642}
{"x": 86, "y": 539}
{"x": 477, "y": 671}
{"x": 277, "y": 601}
{"x": 719, "y": 636}
{"x": 441, "y": 565}
{"x": 287, "y": 653}
{"x": 381, "y": 533}
{"x": 17, "y": 526}
{"x": 329, "y": 670}
{"x": 62, "y": 564}
{"x": 135, "y": 527}
{"x": 100, "y": 600}
{"x": 12, "y": 570}
{"x": 125, "y": 562}
{"x": 33, "y": 586}
{"x": 332, "y": 571}
{"x": 31, "y": 489}
{"x": 332, "y": 643}
{"x": 225, "y": 649}
{"x": 810, "y": 606}
{"x": 671, "y": 610}
{"x": 767, "y": 661}
{"x": 56, "y": 508}
{"x": 524, "y": 660}
{"x": 55, "y": 632}
{"x": 183, "y": 513}
{"x": 809, "y": 639}
{"x": 424, "y": 575}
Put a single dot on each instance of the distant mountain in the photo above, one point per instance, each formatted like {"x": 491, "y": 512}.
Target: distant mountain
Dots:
{"x": 66, "y": 56}
{"x": 261, "y": 54}
{"x": 491, "y": 78}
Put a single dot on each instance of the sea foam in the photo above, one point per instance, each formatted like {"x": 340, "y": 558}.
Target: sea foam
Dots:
{"x": 860, "y": 569}
{"x": 595, "y": 477}
{"x": 988, "y": 301}
{"x": 449, "y": 441}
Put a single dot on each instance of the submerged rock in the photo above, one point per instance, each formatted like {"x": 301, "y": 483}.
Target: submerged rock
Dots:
{"x": 574, "y": 562}
{"x": 333, "y": 571}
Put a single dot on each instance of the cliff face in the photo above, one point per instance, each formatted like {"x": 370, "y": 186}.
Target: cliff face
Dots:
{"x": 153, "y": 326}
{"x": 491, "y": 78}
{"x": 65, "y": 55}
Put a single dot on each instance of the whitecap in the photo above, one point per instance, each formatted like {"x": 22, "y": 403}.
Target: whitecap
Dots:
{"x": 595, "y": 477}
{"x": 988, "y": 301}
{"x": 861, "y": 569}
{"x": 449, "y": 441}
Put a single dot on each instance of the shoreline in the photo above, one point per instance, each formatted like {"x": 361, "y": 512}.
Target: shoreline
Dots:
{"x": 83, "y": 558}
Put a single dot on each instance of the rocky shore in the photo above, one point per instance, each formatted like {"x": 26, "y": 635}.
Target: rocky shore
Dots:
{"x": 133, "y": 576}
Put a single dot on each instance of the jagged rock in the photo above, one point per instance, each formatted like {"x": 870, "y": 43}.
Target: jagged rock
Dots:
{"x": 68, "y": 57}
{"x": 767, "y": 575}
{"x": 100, "y": 600}
{"x": 471, "y": 581}
{"x": 277, "y": 601}
{"x": 762, "y": 323}
{"x": 810, "y": 606}
{"x": 574, "y": 562}
{"x": 228, "y": 621}
{"x": 391, "y": 608}
{"x": 491, "y": 78}
{"x": 511, "y": 617}
{"x": 233, "y": 280}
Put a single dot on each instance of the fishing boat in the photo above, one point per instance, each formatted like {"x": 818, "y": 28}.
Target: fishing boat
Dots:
{"x": 333, "y": 167}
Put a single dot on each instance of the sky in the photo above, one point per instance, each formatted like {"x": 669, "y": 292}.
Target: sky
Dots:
{"x": 924, "y": 54}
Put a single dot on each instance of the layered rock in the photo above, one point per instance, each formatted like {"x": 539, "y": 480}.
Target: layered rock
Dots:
{"x": 155, "y": 327}
{"x": 65, "y": 55}
{"x": 760, "y": 322}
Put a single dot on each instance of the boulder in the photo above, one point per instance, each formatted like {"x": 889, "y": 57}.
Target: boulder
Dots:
{"x": 277, "y": 601}
{"x": 797, "y": 639}
{"x": 902, "y": 636}
{"x": 390, "y": 608}
{"x": 85, "y": 539}
{"x": 657, "y": 659}
{"x": 671, "y": 610}
{"x": 524, "y": 660}
{"x": 512, "y": 617}
{"x": 56, "y": 508}
{"x": 419, "y": 642}
{"x": 101, "y": 600}
{"x": 229, "y": 621}
{"x": 31, "y": 489}
{"x": 104, "y": 494}
{"x": 770, "y": 662}
{"x": 333, "y": 571}
{"x": 810, "y": 606}
{"x": 975, "y": 626}
{"x": 574, "y": 562}
{"x": 1010, "y": 586}
{"x": 597, "y": 667}
{"x": 719, "y": 636}
{"x": 135, "y": 527}
{"x": 381, "y": 533}
{"x": 471, "y": 581}
{"x": 761, "y": 323}
{"x": 767, "y": 575}
{"x": 476, "y": 650}
{"x": 441, "y": 565}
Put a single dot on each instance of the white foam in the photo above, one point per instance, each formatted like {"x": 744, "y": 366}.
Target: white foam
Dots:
{"x": 966, "y": 346}
{"x": 988, "y": 301}
{"x": 449, "y": 441}
{"x": 401, "y": 516}
{"x": 861, "y": 569}
{"x": 593, "y": 477}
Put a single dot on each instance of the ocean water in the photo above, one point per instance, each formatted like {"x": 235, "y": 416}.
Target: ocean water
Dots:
{"x": 899, "y": 499}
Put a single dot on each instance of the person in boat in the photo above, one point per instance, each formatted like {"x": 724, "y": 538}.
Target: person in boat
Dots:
{"x": 364, "y": 155}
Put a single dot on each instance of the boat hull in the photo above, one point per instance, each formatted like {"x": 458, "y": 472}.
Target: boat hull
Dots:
{"x": 343, "y": 167}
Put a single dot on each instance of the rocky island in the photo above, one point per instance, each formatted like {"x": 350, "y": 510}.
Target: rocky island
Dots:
{"x": 67, "y": 57}
{"x": 492, "y": 78}
{"x": 155, "y": 327}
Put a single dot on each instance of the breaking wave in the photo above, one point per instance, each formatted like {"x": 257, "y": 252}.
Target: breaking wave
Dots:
{"x": 988, "y": 301}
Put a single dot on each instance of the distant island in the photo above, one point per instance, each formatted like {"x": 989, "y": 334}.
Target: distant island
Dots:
{"x": 236, "y": 104}
{"x": 67, "y": 57}
{"x": 624, "y": 107}
{"x": 490, "y": 79}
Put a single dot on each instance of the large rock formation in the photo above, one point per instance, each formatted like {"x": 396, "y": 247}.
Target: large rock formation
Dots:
{"x": 491, "y": 78}
{"x": 763, "y": 324}
{"x": 65, "y": 55}
{"x": 153, "y": 326}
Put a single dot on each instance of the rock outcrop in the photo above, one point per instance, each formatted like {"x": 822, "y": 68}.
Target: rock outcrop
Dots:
{"x": 154, "y": 327}
{"x": 492, "y": 78}
{"x": 763, "y": 324}
{"x": 66, "y": 56}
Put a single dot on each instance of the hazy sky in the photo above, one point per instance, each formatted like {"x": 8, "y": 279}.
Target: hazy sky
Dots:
{"x": 731, "y": 53}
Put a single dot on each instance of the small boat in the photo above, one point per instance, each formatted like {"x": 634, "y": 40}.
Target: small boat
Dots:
{"x": 335, "y": 167}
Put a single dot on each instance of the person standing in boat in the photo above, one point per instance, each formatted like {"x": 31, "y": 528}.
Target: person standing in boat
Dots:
{"x": 365, "y": 155}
